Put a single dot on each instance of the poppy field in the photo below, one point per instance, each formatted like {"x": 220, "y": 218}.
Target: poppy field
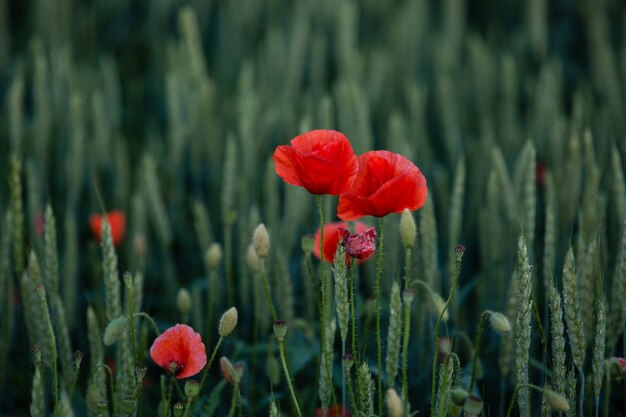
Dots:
{"x": 347, "y": 208}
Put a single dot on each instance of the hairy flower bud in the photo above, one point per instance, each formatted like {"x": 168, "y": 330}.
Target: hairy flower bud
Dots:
{"x": 114, "y": 330}
{"x": 261, "y": 241}
{"x": 499, "y": 322}
{"x": 252, "y": 259}
{"x": 183, "y": 301}
{"x": 394, "y": 403}
{"x": 228, "y": 322}
{"x": 407, "y": 228}
{"x": 214, "y": 255}
{"x": 557, "y": 401}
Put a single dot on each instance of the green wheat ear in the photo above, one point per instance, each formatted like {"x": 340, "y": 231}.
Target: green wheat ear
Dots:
{"x": 394, "y": 335}
{"x": 523, "y": 327}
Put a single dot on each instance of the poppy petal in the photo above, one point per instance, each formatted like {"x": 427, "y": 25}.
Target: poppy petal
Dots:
{"x": 285, "y": 164}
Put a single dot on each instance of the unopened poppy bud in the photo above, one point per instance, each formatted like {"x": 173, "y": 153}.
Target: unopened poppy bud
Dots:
{"x": 228, "y": 370}
{"x": 473, "y": 406}
{"x": 407, "y": 229}
{"x": 183, "y": 301}
{"x": 394, "y": 404}
{"x": 261, "y": 241}
{"x": 139, "y": 245}
{"x": 280, "y": 329}
{"x": 228, "y": 322}
{"x": 408, "y": 295}
{"x": 214, "y": 255}
{"x": 359, "y": 246}
{"x": 114, "y": 330}
{"x": 458, "y": 396}
{"x": 557, "y": 401}
{"x": 499, "y": 322}
{"x": 77, "y": 358}
{"x": 178, "y": 409}
{"x": 128, "y": 280}
{"x": 101, "y": 407}
{"x": 36, "y": 353}
{"x": 347, "y": 361}
{"x": 272, "y": 369}
{"x": 128, "y": 405}
{"x": 140, "y": 372}
{"x": 307, "y": 244}
{"x": 438, "y": 304}
{"x": 192, "y": 388}
{"x": 252, "y": 259}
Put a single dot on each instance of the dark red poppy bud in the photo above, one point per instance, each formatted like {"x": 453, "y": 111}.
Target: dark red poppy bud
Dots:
{"x": 361, "y": 245}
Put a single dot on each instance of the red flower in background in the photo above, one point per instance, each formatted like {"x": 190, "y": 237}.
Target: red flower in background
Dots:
{"x": 332, "y": 412}
{"x": 360, "y": 245}
{"x": 386, "y": 183}
{"x": 332, "y": 236}
{"x": 117, "y": 221}
{"x": 182, "y": 346}
{"x": 321, "y": 161}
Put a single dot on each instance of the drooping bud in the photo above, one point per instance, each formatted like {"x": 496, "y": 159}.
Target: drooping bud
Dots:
{"x": 192, "y": 388}
{"x": 114, "y": 330}
{"x": 183, "y": 301}
{"x": 228, "y": 322}
{"x": 438, "y": 304}
{"x": 499, "y": 322}
{"x": 280, "y": 329}
{"x": 261, "y": 241}
{"x": 557, "y": 401}
{"x": 232, "y": 373}
{"x": 252, "y": 259}
{"x": 394, "y": 403}
{"x": 214, "y": 255}
{"x": 458, "y": 396}
{"x": 473, "y": 406}
{"x": 307, "y": 244}
{"x": 407, "y": 229}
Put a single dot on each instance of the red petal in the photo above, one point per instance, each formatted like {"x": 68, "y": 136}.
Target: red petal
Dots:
{"x": 285, "y": 162}
{"x": 180, "y": 344}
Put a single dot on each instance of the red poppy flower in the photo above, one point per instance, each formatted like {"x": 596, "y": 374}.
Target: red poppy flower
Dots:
{"x": 360, "y": 245}
{"x": 332, "y": 237}
{"x": 332, "y": 412}
{"x": 182, "y": 347}
{"x": 321, "y": 161}
{"x": 386, "y": 183}
{"x": 117, "y": 221}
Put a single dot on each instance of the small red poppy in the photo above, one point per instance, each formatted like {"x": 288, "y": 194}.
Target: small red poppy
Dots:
{"x": 360, "y": 245}
{"x": 117, "y": 221}
{"x": 386, "y": 183}
{"x": 321, "y": 161}
{"x": 332, "y": 412}
{"x": 180, "y": 346}
{"x": 332, "y": 236}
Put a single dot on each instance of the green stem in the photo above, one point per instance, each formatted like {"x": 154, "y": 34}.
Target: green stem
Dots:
{"x": 228, "y": 250}
{"x": 266, "y": 288}
{"x": 111, "y": 382}
{"x": 320, "y": 209}
{"x": 379, "y": 355}
{"x": 205, "y": 373}
{"x": 352, "y": 308}
{"x": 281, "y": 348}
{"x": 343, "y": 381}
{"x": 607, "y": 391}
{"x": 477, "y": 342}
{"x": 233, "y": 401}
{"x": 187, "y": 407}
{"x": 180, "y": 393}
{"x": 582, "y": 391}
{"x": 131, "y": 306}
{"x": 154, "y": 326}
{"x": 169, "y": 392}
{"x": 74, "y": 379}
{"x": 517, "y": 388}
{"x": 351, "y": 391}
{"x": 443, "y": 311}
{"x": 405, "y": 339}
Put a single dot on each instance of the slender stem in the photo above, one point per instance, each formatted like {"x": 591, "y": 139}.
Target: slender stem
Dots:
{"x": 74, "y": 379}
{"x": 343, "y": 382}
{"x": 477, "y": 342}
{"x": 233, "y": 401}
{"x": 266, "y": 288}
{"x": 187, "y": 407}
{"x": 582, "y": 391}
{"x": 351, "y": 391}
{"x": 405, "y": 336}
{"x": 228, "y": 250}
{"x": 154, "y": 326}
{"x": 436, "y": 332}
{"x": 517, "y": 388}
{"x": 352, "y": 308}
{"x": 205, "y": 373}
{"x": 281, "y": 348}
{"x": 180, "y": 393}
{"x": 379, "y": 354}
{"x": 169, "y": 392}
{"x": 320, "y": 209}
{"x": 111, "y": 382}
{"x": 607, "y": 391}
{"x": 131, "y": 307}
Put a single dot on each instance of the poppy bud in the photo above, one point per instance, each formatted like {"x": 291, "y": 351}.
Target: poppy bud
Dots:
{"x": 272, "y": 369}
{"x": 192, "y": 388}
{"x": 114, "y": 330}
{"x": 252, "y": 259}
{"x": 407, "y": 228}
{"x": 183, "y": 301}
{"x": 394, "y": 403}
{"x": 128, "y": 280}
{"x": 178, "y": 409}
{"x": 214, "y": 255}
{"x": 261, "y": 241}
{"x": 77, "y": 358}
{"x": 280, "y": 329}
{"x": 557, "y": 401}
{"x": 228, "y": 322}
{"x": 228, "y": 370}
{"x": 361, "y": 245}
{"x": 307, "y": 244}
{"x": 473, "y": 406}
{"x": 499, "y": 322}
{"x": 128, "y": 405}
